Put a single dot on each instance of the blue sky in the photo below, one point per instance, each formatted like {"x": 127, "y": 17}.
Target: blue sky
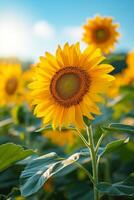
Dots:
{"x": 62, "y": 19}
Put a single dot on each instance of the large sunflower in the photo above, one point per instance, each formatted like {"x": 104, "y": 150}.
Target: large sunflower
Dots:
{"x": 11, "y": 87}
{"x": 68, "y": 85}
{"x": 101, "y": 32}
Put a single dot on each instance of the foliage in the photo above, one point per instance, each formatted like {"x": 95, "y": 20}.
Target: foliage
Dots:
{"x": 34, "y": 167}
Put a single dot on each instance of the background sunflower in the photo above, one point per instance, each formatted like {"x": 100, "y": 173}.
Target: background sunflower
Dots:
{"x": 101, "y": 32}
{"x": 61, "y": 138}
{"x": 11, "y": 87}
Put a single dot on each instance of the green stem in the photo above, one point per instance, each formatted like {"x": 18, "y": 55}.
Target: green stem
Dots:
{"x": 99, "y": 142}
{"x": 83, "y": 139}
{"x": 94, "y": 162}
{"x": 98, "y": 161}
{"x": 27, "y": 131}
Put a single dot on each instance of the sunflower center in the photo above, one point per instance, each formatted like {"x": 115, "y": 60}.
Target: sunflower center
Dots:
{"x": 101, "y": 35}
{"x": 69, "y": 85}
{"x": 11, "y": 85}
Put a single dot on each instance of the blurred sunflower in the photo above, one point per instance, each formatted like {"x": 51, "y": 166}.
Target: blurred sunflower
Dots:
{"x": 126, "y": 77}
{"x": 129, "y": 71}
{"x": 28, "y": 75}
{"x": 68, "y": 85}
{"x": 102, "y": 33}
{"x": 27, "y": 78}
{"x": 61, "y": 137}
{"x": 130, "y": 59}
{"x": 11, "y": 86}
{"x": 129, "y": 75}
{"x": 114, "y": 89}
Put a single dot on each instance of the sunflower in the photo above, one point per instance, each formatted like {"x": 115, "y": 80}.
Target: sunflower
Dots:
{"x": 129, "y": 76}
{"x": 114, "y": 89}
{"x": 67, "y": 86}
{"x": 27, "y": 75}
{"x": 126, "y": 77}
{"x": 129, "y": 71}
{"x": 64, "y": 137}
{"x": 130, "y": 59}
{"x": 11, "y": 87}
{"x": 101, "y": 32}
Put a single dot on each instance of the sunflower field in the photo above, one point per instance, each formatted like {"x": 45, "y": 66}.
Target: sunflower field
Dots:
{"x": 67, "y": 119}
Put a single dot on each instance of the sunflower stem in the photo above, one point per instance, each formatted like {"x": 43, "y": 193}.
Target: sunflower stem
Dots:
{"x": 99, "y": 142}
{"x": 94, "y": 161}
{"x": 83, "y": 139}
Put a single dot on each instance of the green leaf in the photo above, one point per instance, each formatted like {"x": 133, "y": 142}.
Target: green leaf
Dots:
{"x": 78, "y": 158}
{"x": 50, "y": 165}
{"x": 121, "y": 128}
{"x": 124, "y": 188}
{"x": 112, "y": 146}
{"x": 11, "y": 153}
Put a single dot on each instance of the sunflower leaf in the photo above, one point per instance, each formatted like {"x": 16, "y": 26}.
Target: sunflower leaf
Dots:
{"x": 124, "y": 188}
{"x": 11, "y": 153}
{"x": 112, "y": 146}
{"x": 121, "y": 128}
{"x": 40, "y": 169}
